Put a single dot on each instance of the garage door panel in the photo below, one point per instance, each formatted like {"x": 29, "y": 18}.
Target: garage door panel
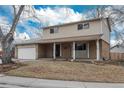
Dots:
{"x": 26, "y": 53}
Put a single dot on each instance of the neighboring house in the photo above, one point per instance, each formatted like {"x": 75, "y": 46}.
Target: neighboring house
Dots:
{"x": 88, "y": 39}
{"x": 117, "y": 52}
{"x": 117, "y": 49}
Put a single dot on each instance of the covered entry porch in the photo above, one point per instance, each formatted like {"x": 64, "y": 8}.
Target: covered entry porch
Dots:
{"x": 70, "y": 50}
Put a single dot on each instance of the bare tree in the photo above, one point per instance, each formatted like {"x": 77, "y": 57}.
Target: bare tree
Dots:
{"x": 6, "y": 40}
{"x": 116, "y": 18}
{"x": 20, "y": 14}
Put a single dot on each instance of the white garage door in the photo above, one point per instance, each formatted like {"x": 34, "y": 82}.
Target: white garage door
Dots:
{"x": 26, "y": 53}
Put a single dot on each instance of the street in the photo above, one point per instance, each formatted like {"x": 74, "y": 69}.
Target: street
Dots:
{"x": 22, "y": 82}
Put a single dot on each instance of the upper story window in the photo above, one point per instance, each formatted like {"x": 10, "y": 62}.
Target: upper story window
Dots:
{"x": 54, "y": 30}
{"x": 80, "y": 26}
{"x": 51, "y": 30}
{"x": 83, "y": 26}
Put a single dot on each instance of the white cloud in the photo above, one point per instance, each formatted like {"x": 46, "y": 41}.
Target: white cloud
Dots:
{"x": 32, "y": 31}
{"x": 48, "y": 16}
{"x": 4, "y": 24}
{"x": 113, "y": 42}
{"x": 22, "y": 36}
{"x": 3, "y": 20}
{"x": 53, "y": 16}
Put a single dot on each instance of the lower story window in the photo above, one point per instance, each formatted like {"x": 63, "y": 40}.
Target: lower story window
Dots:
{"x": 80, "y": 46}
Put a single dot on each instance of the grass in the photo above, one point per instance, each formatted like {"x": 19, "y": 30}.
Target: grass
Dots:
{"x": 64, "y": 70}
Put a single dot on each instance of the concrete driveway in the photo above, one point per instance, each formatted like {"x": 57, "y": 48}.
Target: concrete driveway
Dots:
{"x": 18, "y": 82}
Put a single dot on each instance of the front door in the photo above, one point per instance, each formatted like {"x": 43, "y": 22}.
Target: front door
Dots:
{"x": 57, "y": 50}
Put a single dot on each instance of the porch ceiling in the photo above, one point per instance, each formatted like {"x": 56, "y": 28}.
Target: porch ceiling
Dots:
{"x": 65, "y": 39}
{"x": 69, "y": 39}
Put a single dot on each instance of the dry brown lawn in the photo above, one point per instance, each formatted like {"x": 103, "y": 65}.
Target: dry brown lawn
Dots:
{"x": 64, "y": 70}
{"x": 10, "y": 66}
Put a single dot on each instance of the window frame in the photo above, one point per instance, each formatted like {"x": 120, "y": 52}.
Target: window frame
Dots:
{"x": 86, "y": 27}
{"x": 55, "y": 30}
{"x": 81, "y": 26}
{"x": 81, "y": 47}
{"x": 51, "y": 30}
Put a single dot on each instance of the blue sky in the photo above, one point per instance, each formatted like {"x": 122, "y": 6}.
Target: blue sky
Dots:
{"x": 78, "y": 8}
{"x": 75, "y": 13}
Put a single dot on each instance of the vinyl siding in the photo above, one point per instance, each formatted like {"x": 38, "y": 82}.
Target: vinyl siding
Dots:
{"x": 95, "y": 28}
{"x": 71, "y": 30}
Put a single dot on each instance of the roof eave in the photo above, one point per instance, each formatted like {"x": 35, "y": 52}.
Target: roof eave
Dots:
{"x": 72, "y": 23}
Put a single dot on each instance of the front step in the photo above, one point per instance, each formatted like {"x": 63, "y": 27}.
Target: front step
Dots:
{"x": 85, "y": 60}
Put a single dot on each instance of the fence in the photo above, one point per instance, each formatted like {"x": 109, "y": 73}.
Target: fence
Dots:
{"x": 117, "y": 56}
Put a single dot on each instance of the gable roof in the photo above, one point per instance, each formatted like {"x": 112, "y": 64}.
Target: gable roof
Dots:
{"x": 118, "y": 48}
{"x": 117, "y": 45}
{"x": 90, "y": 20}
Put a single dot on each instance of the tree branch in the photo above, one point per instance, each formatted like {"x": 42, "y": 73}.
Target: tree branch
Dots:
{"x": 15, "y": 21}
{"x": 1, "y": 34}
{"x": 14, "y": 10}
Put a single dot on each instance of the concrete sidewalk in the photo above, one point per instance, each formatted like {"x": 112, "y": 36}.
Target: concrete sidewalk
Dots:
{"x": 18, "y": 82}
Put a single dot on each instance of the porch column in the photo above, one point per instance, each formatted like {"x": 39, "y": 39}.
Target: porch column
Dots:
{"x": 54, "y": 50}
{"x": 73, "y": 50}
{"x": 88, "y": 50}
{"x": 97, "y": 50}
{"x": 60, "y": 49}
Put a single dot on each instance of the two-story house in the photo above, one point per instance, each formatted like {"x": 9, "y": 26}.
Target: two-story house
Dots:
{"x": 88, "y": 39}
